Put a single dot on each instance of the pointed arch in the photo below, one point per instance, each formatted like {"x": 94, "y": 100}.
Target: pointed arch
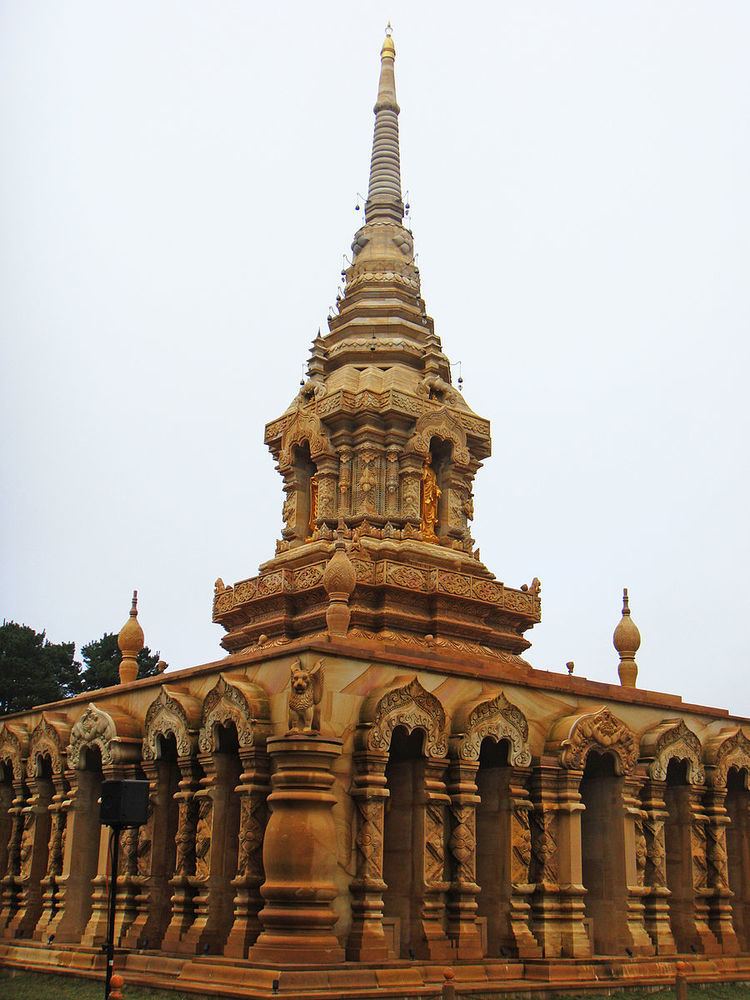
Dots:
{"x": 497, "y": 718}
{"x": 304, "y": 427}
{"x": 444, "y": 425}
{"x": 671, "y": 739}
{"x": 114, "y": 733}
{"x": 47, "y": 739}
{"x": 170, "y": 713}
{"x": 731, "y": 748}
{"x": 575, "y": 735}
{"x": 410, "y": 706}
{"x": 12, "y": 747}
{"x": 239, "y": 702}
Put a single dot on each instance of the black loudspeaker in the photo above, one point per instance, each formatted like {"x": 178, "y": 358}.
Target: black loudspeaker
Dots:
{"x": 124, "y": 803}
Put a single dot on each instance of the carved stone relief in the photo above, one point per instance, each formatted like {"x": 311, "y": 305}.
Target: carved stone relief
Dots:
{"x": 410, "y": 706}
{"x": 500, "y": 719}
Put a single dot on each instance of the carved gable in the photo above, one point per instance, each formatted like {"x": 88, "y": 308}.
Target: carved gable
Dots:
{"x": 444, "y": 425}
{"x": 12, "y": 739}
{"x": 497, "y": 718}
{"x": 241, "y": 704}
{"x": 672, "y": 739}
{"x": 166, "y": 717}
{"x": 574, "y": 736}
{"x": 725, "y": 751}
{"x": 410, "y": 706}
{"x": 46, "y": 740}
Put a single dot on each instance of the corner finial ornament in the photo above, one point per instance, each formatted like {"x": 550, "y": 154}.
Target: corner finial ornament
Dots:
{"x": 627, "y": 640}
{"x": 131, "y": 642}
{"x": 339, "y": 581}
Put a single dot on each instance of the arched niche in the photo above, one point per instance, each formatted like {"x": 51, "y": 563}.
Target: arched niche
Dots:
{"x": 304, "y": 427}
{"x": 573, "y": 737}
{"x": 443, "y": 425}
{"x": 172, "y": 713}
{"x": 410, "y": 706}
{"x": 496, "y": 718}
{"x": 13, "y": 744}
{"x": 238, "y": 702}
{"x": 113, "y": 733}
{"x": 730, "y": 749}
{"x": 672, "y": 740}
{"x": 48, "y": 738}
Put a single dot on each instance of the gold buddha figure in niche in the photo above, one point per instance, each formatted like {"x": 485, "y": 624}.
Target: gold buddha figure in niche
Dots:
{"x": 430, "y": 496}
{"x": 311, "y": 525}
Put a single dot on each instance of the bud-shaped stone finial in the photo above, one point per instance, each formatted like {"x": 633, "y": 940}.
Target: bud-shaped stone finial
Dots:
{"x": 339, "y": 581}
{"x": 131, "y": 642}
{"x": 627, "y": 640}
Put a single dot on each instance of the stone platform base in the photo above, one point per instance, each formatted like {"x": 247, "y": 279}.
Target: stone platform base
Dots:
{"x": 537, "y": 979}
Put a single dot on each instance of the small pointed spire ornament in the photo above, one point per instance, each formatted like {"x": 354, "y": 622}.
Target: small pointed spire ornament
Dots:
{"x": 627, "y": 640}
{"x": 384, "y": 201}
{"x": 131, "y": 642}
{"x": 339, "y": 581}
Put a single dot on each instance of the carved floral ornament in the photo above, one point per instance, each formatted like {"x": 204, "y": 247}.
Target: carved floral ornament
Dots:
{"x": 229, "y": 703}
{"x": 304, "y": 427}
{"x": 444, "y": 425}
{"x": 725, "y": 751}
{"x": 11, "y": 750}
{"x": 45, "y": 741}
{"x": 410, "y": 706}
{"x": 497, "y": 718}
{"x": 95, "y": 728}
{"x": 670, "y": 740}
{"x": 166, "y": 717}
{"x": 574, "y": 736}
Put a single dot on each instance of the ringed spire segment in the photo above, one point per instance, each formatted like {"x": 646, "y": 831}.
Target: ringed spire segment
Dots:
{"x": 384, "y": 201}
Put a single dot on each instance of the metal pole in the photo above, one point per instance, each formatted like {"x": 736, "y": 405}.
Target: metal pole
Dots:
{"x": 110, "y": 944}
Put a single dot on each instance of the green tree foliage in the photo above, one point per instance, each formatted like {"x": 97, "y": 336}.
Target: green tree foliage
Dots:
{"x": 101, "y": 660}
{"x": 33, "y": 670}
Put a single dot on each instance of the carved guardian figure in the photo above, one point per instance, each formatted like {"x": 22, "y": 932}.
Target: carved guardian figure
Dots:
{"x": 304, "y": 698}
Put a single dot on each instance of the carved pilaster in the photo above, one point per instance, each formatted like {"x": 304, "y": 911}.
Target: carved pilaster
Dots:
{"x": 462, "y": 900}
{"x": 183, "y": 912}
{"x": 49, "y": 883}
{"x": 328, "y": 479}
{"x": 635, "y": 866}
{"x": 149, "y": 888}
{"x": 33, "y": 854}
{"x": 204, "y": 816}
{"x": 253, "y": 790}
{"x": 656, "y": 899}
{"x": 433, "y": 943}
{"x": 11, "y": 883}
{"x": 521, "y": 886}
{"x": 391, "y": 481}
{"x": 411, "y": 486}
{"x": 367, "y": 941}
{"x": 708, "y": 944}
{"x": 719, "y": 897}
{"x": 95, "y": 933}
{"x": 345, "y": 482}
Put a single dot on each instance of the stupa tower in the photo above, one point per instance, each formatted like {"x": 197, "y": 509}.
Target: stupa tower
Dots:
{"x": 379, "y": 449}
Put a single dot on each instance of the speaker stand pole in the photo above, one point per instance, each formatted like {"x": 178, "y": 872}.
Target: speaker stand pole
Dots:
{"x": 109, "y": 947}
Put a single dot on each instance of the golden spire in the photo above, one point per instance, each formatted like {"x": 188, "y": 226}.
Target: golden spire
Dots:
{"x": 131, "y": 642}
{"x": 627, "y": 640}
{"x": 384, "y": 201}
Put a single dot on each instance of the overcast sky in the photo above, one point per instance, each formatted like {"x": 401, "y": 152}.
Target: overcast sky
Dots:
{"x": 178, "y": 183}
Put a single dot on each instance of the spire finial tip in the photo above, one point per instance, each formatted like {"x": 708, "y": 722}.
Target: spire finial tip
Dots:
{"x": 625, "y": 601}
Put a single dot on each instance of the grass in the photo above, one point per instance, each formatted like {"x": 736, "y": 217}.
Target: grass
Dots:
{"x": 34, "y": 986}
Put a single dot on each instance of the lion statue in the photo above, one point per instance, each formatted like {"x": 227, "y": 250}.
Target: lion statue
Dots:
{"x": 304, "y": 698}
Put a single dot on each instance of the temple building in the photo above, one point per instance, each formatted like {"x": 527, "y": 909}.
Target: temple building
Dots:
{"x": 374, "y": 784}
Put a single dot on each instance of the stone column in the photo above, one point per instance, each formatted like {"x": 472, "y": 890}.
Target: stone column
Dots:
{"x": 463, "y": 930}
{"x": 558, "y": 909}
{"x": 635, "y": 866}
{"x": 521, "y": 887}
{"x": 95, "y": 933}
{"x": 707, "y": 943}
{"x": 328, "y": 478}
{"x": 146, "y": 885}
{"x": 367, "y": 941}
{"x": 345, "y": 482}
{"x": 656, "y": 898}
{"x": 32, "y": 858}
{"x": 253, "y": 790}
{"x": 11, "y": 883}
{"x": 206, "y": 817}
{"x": 431, "y": 818}
{"x": 720, "y": 895}
{"x": 184, "y": 890}
{"x": 299, "y": 854}
{"x": 50, "y": 883}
